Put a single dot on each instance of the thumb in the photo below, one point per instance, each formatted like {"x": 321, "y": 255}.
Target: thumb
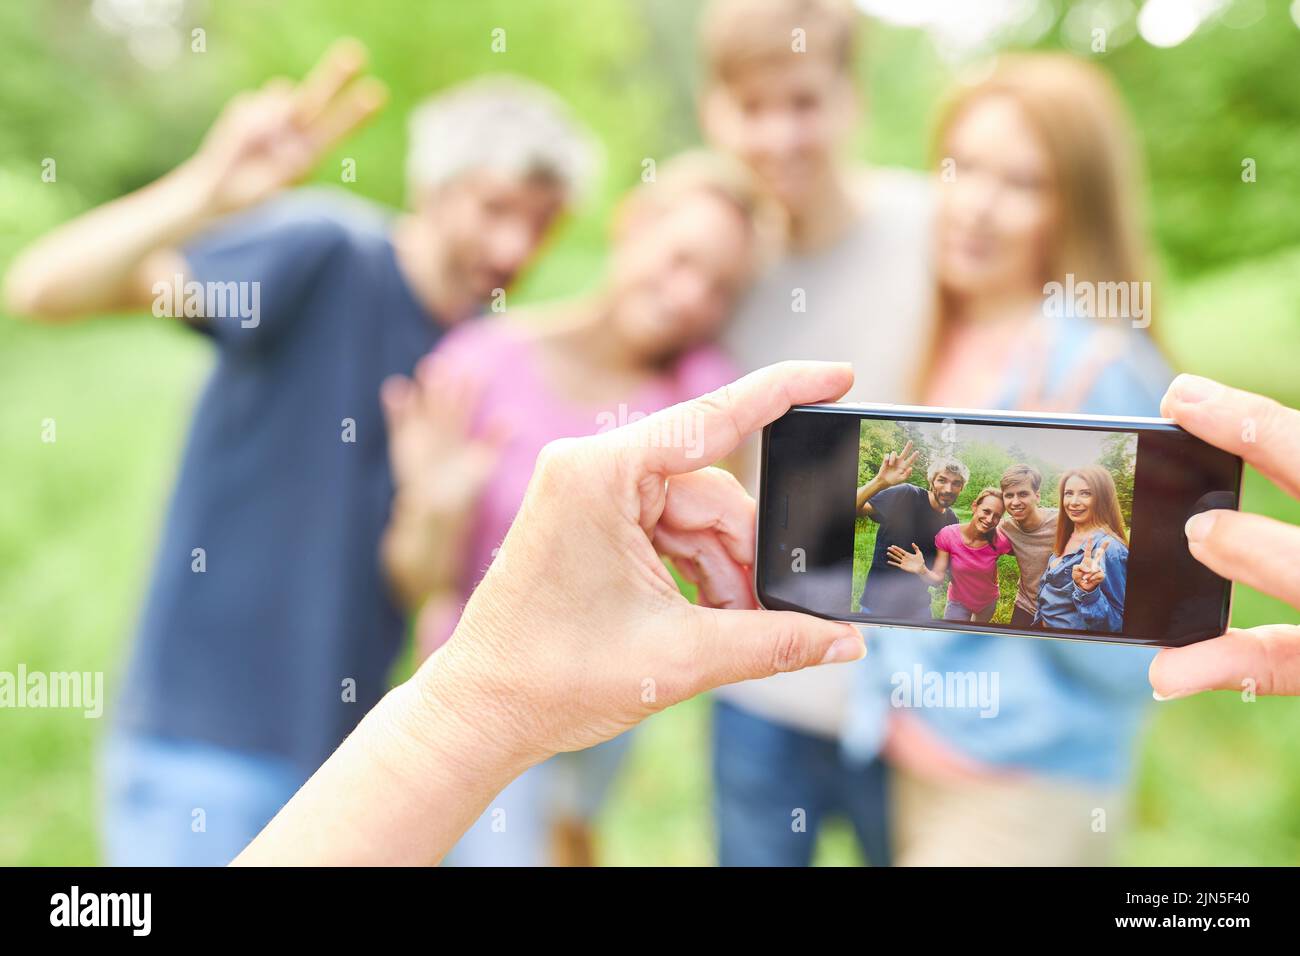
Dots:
{"x": 744, "y": 645}
{"x": 1260, "y": 658}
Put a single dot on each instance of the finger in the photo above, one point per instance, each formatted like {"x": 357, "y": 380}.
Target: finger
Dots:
{"x": 1264, "y": 659}
{"x": 711, "y": 500}
{"x": 907, "y": 450}
{"x": 733, "y": 646}
{"x": 1260, "y": 430}
{"x": 1252, "y": 549}
{"x": 347, "y": 113}
{"x": 911, "y": 459}
{"x": 450, "y": 395}
{"x": 721, "y": 581}
{"x": 343, "y": 61}
{"x": 915, "y": 548}
{"x": 395, "y": 398}
{"x": 688, "y": 436}
{"x": 497, "y": 435}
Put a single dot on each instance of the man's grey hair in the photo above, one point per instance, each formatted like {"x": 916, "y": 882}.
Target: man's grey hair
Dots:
{"x": 947, "y": 464}
{"x": 502, "y": 123}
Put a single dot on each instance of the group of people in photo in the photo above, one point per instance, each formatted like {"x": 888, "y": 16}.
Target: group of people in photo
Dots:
{"x": 1072, "y": 563}
{"x": 324, "y": 540}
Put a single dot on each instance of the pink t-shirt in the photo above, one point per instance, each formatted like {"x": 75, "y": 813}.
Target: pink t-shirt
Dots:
{"x": 504, "y": 358}
{"x": 974, "y": 570}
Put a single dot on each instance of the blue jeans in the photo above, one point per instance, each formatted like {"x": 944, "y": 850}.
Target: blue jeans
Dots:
{"x": 765, "y": 773}
{"x": 186, "y": 802}
{"x": 956, "y": 611}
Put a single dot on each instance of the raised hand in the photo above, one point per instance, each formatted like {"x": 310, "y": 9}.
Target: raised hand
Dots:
{"x": 897, "y": 466}
{"x": 1091, "y": 571}
{"x": 912, "y": 562}
{"x": 440, "y": 469}
{"x": 267, "y": 140}
{"x": 431, "y": 449}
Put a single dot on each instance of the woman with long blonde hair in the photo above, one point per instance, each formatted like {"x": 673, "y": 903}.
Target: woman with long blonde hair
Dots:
{"x": 1042, "y": 298}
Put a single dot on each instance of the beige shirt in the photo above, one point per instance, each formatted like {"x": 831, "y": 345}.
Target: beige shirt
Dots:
{"x": 1032, "y": 549}
{"x": 865, "y": 300}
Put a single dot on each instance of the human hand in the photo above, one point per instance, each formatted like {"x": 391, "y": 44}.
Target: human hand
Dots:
{"x": 912, "y": 562}
{"x": 1091, "y": 571}
{"x": 1249, "y": 548}
{"x": 435, "y": 457}
{"x": 267, "y": 140}
{"x": 897, "y": 466}
{"x": 578, "y": 631}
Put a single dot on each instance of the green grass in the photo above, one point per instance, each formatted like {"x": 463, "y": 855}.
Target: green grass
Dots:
{"x": 1218, "y": 778}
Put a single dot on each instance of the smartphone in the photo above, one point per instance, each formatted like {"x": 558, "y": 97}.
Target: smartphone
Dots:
{"x": 1040, "y": 525}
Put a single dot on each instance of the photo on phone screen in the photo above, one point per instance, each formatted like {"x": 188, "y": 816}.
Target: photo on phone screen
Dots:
{"x": 1007, "y": 519}
{"x": 1047, "y": 526}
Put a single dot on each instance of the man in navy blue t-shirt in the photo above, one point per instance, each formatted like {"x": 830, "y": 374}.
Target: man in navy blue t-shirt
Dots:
{"x": 269, "y": 628}
{"x": 908, "y": 516}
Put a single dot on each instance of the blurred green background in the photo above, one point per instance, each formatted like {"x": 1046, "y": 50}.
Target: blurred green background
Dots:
{"x": 113, "y": 92}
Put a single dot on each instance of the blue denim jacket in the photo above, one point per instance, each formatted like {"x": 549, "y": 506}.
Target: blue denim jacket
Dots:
{"x": 1061, "y": 603}
{"x": 1065, "y": 709}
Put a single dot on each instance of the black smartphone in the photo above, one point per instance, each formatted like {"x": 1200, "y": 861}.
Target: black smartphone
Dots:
{"x": 1042, "y": 525}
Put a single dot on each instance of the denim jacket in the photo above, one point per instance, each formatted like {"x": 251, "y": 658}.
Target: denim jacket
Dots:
{"x": 1061, "y": 603}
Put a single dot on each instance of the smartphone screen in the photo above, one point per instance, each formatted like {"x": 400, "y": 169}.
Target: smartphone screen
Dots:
{"x": 1041, "y": 525}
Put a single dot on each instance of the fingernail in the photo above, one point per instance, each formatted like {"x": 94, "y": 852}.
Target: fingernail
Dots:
{"x": 845, "y": 649}
{"x": 1177, "y": 694}
{"x": 1194, "y": 388}
{"x": 1198, "y": 526}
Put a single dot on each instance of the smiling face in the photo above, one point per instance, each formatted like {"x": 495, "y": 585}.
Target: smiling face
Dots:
{"x": 677, "y": 272}
{"x": 785, "y": 118}
{"x": 491, "y": 224}
{"x": 997, "y": 214}
{"x": 1077, "y": 500}
{"x": 986, "y": 514}
{"x": 946, "y": 486}
{"x": 1021, "y": 500}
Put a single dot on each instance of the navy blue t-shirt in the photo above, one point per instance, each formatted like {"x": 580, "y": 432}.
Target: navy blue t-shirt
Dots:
{"x": 255, "y": 651}
{"x": 904, "y": 516}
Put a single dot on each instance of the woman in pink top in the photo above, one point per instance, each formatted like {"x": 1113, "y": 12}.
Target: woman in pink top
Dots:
{"x": 466, "y": 432}
{"x": 970, "y": 551}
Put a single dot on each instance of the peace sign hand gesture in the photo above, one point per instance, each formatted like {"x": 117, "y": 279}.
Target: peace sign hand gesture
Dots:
{"x": 1091, "y": 571}
{"x": 897, "y": 466}
{"x": 268, "y": 140}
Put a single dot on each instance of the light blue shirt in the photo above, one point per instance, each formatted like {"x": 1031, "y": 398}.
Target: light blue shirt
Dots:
{"x": 1063, "y": 708}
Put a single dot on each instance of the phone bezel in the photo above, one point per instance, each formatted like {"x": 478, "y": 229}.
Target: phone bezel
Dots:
{"x": 978, "y": 416}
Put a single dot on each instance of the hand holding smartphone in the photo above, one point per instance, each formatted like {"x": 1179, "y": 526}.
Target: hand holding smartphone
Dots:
{"x": 1039, "y": 525}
